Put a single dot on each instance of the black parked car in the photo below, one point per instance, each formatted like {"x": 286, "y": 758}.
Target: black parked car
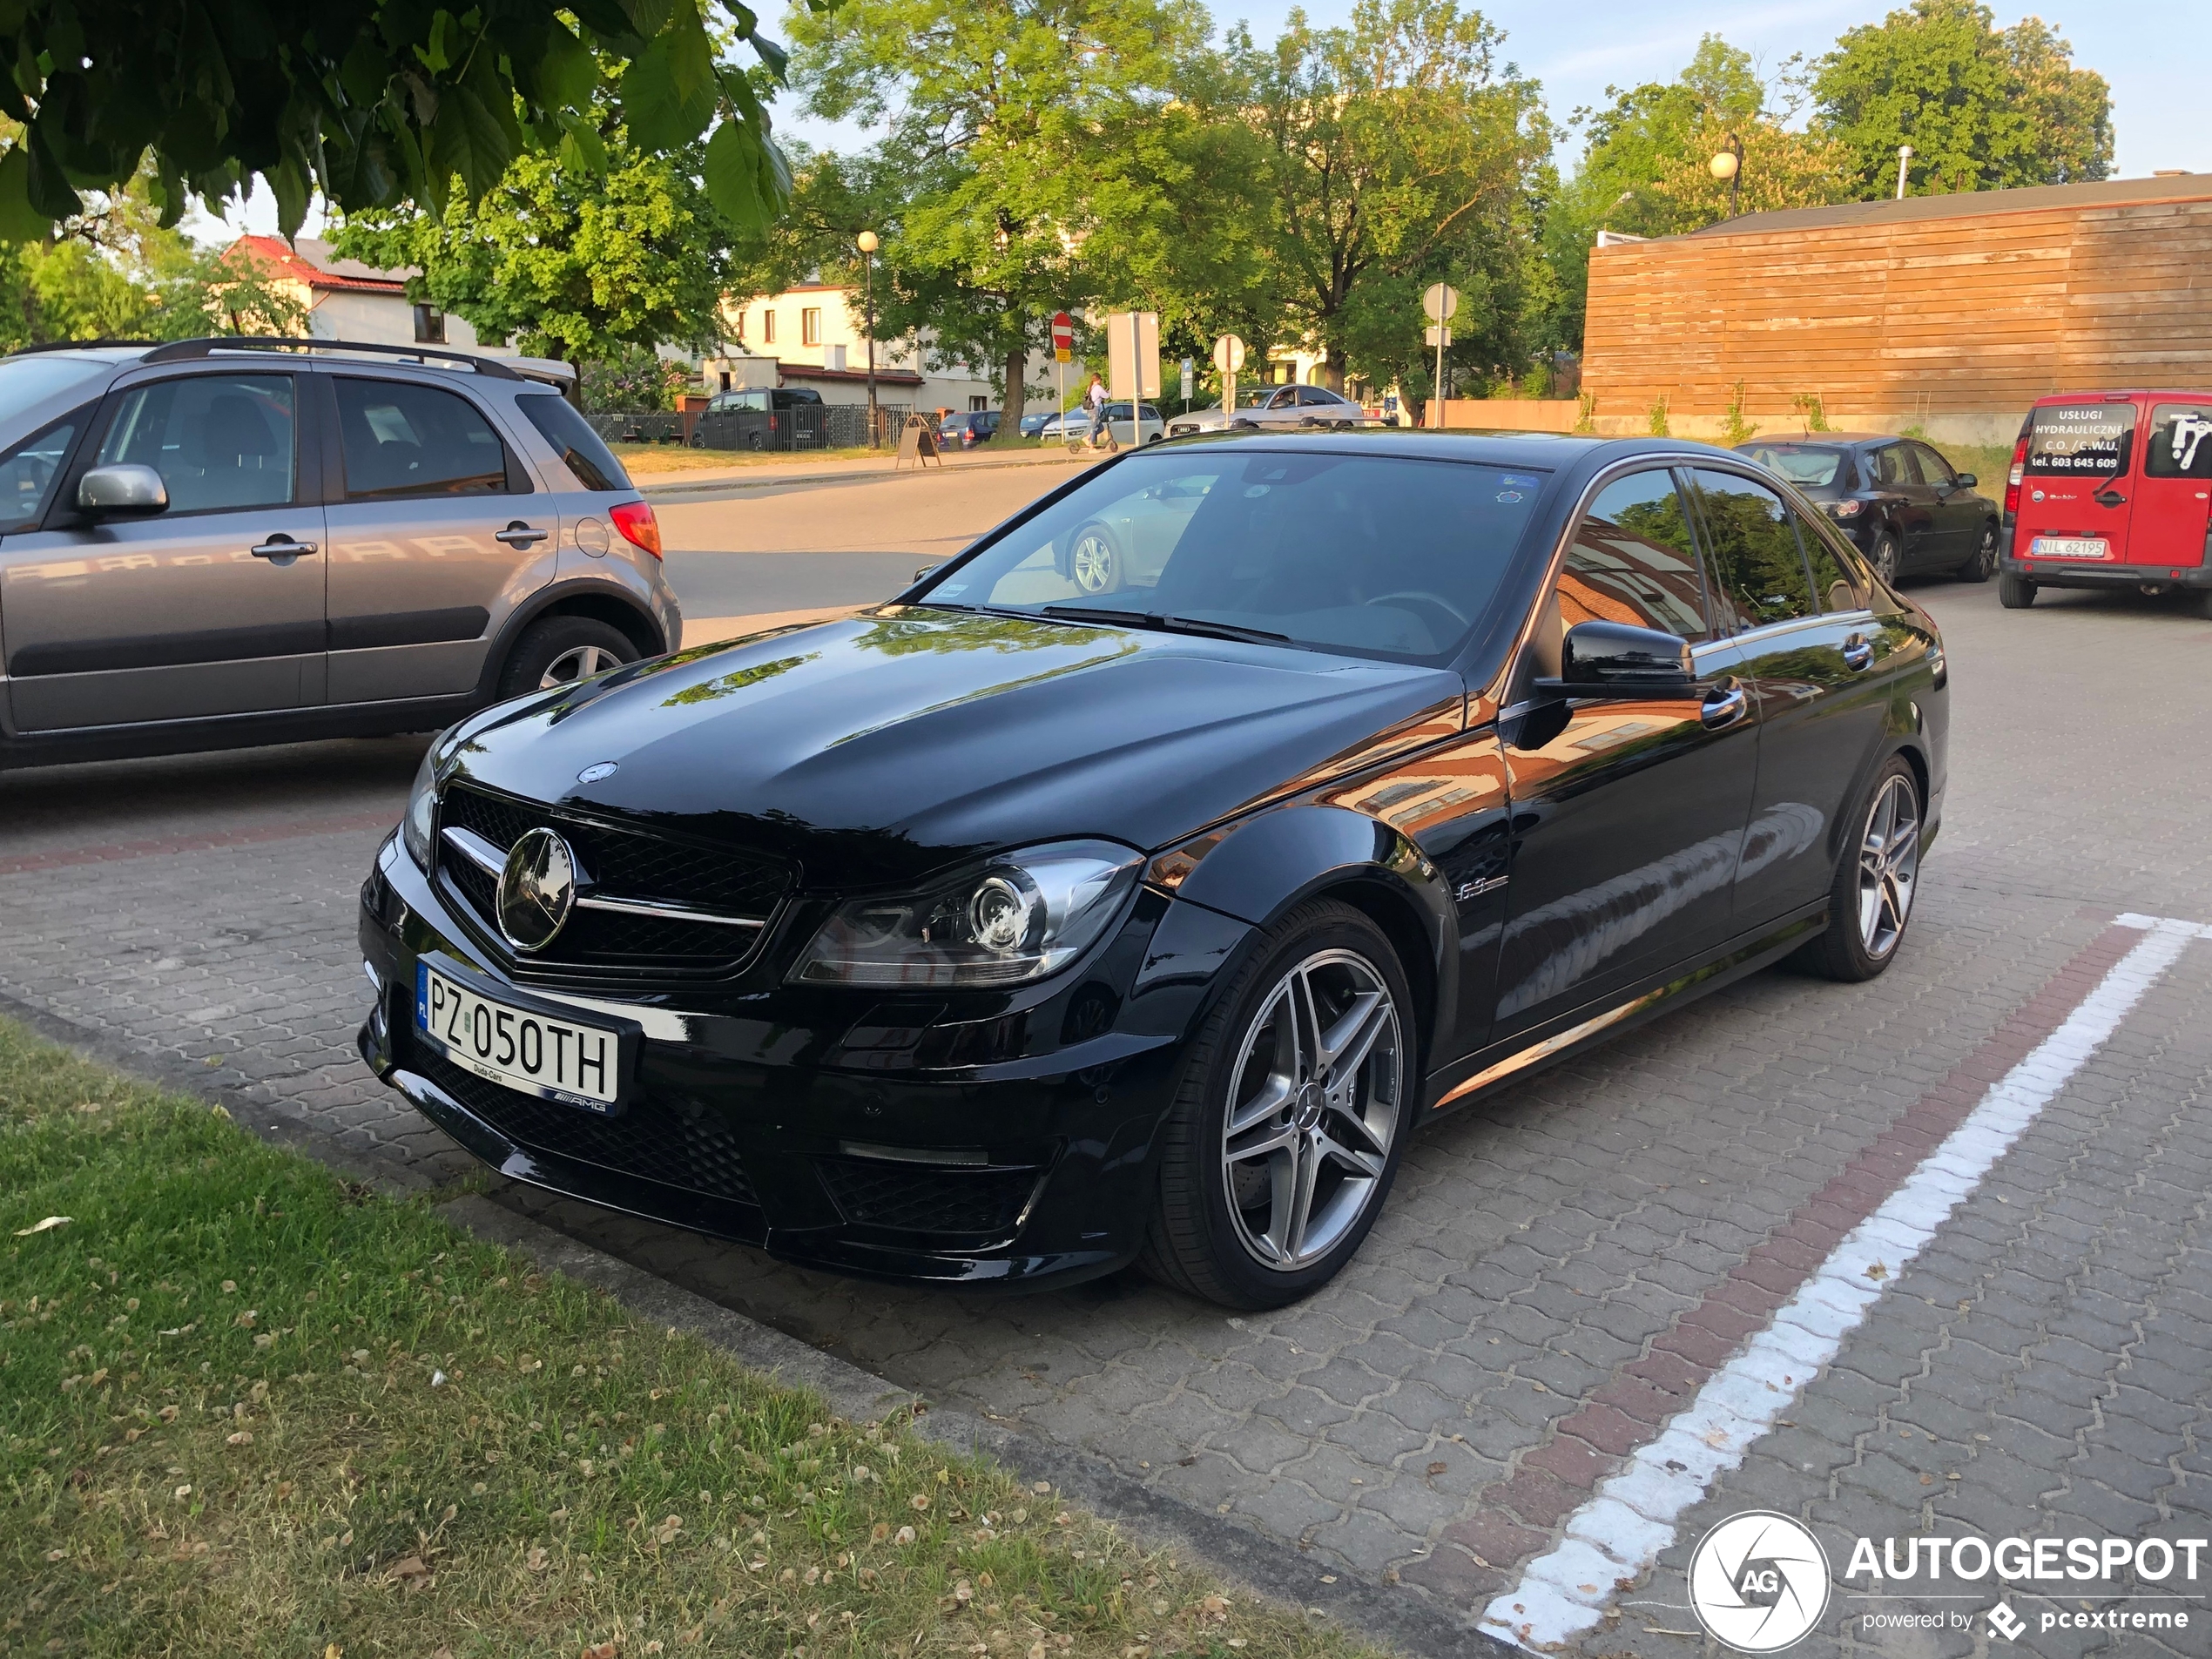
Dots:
{"x": 968, "y": 427}
{"x": 1903, "y": 506}
{"x": 1008, "y": 933}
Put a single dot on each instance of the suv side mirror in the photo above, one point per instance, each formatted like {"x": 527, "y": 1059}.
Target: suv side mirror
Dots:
{"x": 1601, "y": 658}
{"x": 116, "y": 491}
{"x": 1965, "y": 480}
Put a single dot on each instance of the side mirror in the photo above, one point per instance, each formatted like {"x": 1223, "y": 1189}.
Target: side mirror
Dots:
{"x": 925, "y": 570}
{"x": 1603, "y": 658}
{"x": 1968, "y": 480}
{"x": 116, "y": 491}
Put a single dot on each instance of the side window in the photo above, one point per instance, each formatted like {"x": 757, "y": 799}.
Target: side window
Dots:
{"x": 1759, "y": 573}
{"x": 580, "y": 448}
{"x": 2080, "y": 440}
{"x": 1934, "y": 469}
{"x": 28, "y": 471}
{"x": 218, "y": 441}
{"x": 1893, "y": 468}
{"x": 1285, "y": 398}
{"x": 1837, "y": 581}
{"x": 1632, "y": 560}
{"x": 405, "y": 440}
{"x": 2180, "y": 442}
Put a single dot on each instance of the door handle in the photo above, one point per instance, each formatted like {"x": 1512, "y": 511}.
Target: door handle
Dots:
{"x": 281, "y": 546}
{"x": 1725, "y": 708}
{"x": 1857, "y": 653}
{"x": 520, "y": 534}
{"x": 2110, "y": 498}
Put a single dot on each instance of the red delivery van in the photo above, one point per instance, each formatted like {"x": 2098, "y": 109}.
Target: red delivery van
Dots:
{"x": 2110, "y": 489}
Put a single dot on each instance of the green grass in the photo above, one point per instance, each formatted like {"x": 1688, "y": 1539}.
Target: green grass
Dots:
{"x": 642, "y": 460}
{"x": 246, "y": 1407}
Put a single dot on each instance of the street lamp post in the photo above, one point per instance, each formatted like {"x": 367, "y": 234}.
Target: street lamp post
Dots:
{"x": 1727, "y": 165}
{"x": 868, "y": 245}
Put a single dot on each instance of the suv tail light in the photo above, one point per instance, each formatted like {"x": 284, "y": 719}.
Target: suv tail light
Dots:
{"x": 2012, "y": 478}
{"x": 639, "y": 527}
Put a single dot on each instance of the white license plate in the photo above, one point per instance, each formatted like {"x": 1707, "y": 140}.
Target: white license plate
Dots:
{"x": 577, "y": 1064}
{"x": 2070, "y": 547}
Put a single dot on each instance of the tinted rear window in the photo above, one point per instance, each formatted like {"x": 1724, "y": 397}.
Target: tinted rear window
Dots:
{"x": 2180, "y": 440}
{"x": 1804, "y": 465}
{"x": 2080, "y": 440}
{"x": 592, "y": 463}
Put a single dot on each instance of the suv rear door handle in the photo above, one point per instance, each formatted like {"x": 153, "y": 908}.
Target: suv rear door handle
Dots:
{"x": 520, "y": 534}
{"x": 281, "y": 546}
{"x": 1857, "y": 653}
{"x": 1724, "y": 708}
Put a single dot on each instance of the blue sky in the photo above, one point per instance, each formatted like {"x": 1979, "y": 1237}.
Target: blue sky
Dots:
{"x": 2157, "y": 57}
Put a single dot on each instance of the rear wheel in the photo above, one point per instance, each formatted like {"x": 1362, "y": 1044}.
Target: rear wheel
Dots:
{"x": 2014, "y": 592}
{"x": 561, "y": 649}
{"x": 1870, "y": 901}
{"x": 1093, "y": 562}
{"x": 1884, "y": 556}
{"x": 1287, "y": 1128}
{"x": 1984, "y": 563}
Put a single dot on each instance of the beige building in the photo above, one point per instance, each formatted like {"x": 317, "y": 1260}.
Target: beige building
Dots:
{"x": 346, "y": 299}
{"x": 815, "y": 335}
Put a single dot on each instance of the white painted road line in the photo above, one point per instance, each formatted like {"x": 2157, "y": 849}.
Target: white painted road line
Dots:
{"x": 1614, "y": 1539}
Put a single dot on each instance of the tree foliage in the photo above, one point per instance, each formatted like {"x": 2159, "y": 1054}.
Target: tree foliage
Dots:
{"x": 1399, "y": 151}
{"x": 370, "y": 102}
{"x": 1983, "y": 108}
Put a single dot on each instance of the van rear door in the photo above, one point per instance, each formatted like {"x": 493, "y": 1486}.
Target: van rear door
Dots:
{"x": 2171, "y": 495}
{"x": 2075, "y": 497}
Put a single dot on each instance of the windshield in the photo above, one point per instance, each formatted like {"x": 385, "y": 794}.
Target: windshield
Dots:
{"x": 26, "y": 381}
{"x": 1808, "y": 467}
{"x": 1372, "y": 555}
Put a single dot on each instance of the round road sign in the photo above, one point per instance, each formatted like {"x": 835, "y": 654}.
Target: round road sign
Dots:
{"x": 1229, "y": 354}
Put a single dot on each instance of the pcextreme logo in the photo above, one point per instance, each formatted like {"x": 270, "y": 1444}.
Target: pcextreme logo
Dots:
{"x": 1758, "y": 1581}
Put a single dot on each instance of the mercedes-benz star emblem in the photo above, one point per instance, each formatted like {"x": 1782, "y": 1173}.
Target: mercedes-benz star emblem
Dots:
{"x": 1759, "y": 1582}
{"x": 537, "y": 890}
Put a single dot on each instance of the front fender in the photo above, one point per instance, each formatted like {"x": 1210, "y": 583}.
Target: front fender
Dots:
{"x": 1258, "y": 872}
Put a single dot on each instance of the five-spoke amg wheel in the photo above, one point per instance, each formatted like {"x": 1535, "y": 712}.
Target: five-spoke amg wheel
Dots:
{"x": 1286, "y": 1132}
{"x": 1870, "y": 901}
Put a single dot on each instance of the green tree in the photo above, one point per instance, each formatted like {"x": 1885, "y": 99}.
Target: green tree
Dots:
{"x": 1983, "y": 108}
{"x": 569, "y": 262}
{"x": 1399, "y": 151}
{"x": 1016, "y": 138}
{"x": 371, "y": 102}
{"x": 1645, "y": 171}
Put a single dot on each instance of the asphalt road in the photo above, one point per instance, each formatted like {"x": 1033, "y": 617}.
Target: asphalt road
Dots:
{"x": 849, "y": 541}
{"x": 1563, "y": 1272}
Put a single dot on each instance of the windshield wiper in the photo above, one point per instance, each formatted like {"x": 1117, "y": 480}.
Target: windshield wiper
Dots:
{"x": 1167, "y": 624}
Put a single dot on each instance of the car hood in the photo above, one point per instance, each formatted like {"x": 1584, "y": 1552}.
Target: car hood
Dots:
{"x": 891, "y": 743}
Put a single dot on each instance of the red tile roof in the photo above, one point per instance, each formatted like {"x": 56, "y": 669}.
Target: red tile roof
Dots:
{"x": 312, "y": 262}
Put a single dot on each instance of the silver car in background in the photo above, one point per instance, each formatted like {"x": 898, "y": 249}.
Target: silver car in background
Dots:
{"x": 216, "y": 542}
{"x": 1286, "y": 406}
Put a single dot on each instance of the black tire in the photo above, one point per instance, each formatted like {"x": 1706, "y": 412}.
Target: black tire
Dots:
{"x": 545, "y": 645}
{"x": 1983, "y": 566}
{"x": 1884, "y": 556}
{"x": 1197, "y": 1240}
{"x": 1855, "y": 947}
{"x": 2014, "y": 592}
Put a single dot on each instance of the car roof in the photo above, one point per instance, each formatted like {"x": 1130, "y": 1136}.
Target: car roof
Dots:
{"x": 1554, "y": 451}
{"x": 1831, "y": 440}
{"x": 2115, "y": 393}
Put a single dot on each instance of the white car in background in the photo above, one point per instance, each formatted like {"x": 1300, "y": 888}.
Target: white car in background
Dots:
{"x": 1075, "y": 423}
{"x": 1286, "y": 406}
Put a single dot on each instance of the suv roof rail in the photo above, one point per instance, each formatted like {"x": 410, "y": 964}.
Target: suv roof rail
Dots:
{"x": 76, "y": 345}
{"x": 179, "y": 350}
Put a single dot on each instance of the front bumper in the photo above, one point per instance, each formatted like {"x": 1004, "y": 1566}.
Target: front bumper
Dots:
{"x": 960, "y": 1139}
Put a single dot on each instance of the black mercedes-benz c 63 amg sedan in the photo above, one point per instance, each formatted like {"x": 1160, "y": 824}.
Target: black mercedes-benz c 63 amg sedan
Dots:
{"x": 1134, "y": 885}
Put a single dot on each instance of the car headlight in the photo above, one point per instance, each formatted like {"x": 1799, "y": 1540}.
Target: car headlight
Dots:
{"x": 422, "y": 807}
{"x": 1014, "y": 918}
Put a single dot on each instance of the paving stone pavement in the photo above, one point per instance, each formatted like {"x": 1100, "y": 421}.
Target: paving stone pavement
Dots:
{"x": 200, "y": 911}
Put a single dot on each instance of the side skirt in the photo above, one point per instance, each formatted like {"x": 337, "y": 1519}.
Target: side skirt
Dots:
{"x": 1526, "y": 1052}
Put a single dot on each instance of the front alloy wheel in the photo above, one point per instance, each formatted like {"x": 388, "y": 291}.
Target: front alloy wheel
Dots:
{"x": 577, "y": 663}
{"x": 1093, "y": 561}
{"x": 1290, "y": 1121}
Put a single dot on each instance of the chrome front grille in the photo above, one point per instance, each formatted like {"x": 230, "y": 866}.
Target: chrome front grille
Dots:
{"x": 649, "y": 905}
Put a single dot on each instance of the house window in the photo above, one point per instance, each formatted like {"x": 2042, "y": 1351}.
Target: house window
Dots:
{"x": 977, "y": 405}
{"x": 767, "y": 327}
{"x": 737, "y": 329}
{"x": 429, "y": 326}
{"x": 725, "y": 380}
{"x": 810, "y": 326}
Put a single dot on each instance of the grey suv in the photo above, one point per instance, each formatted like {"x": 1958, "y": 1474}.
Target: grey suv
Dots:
{"x": 214, "y": 542}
